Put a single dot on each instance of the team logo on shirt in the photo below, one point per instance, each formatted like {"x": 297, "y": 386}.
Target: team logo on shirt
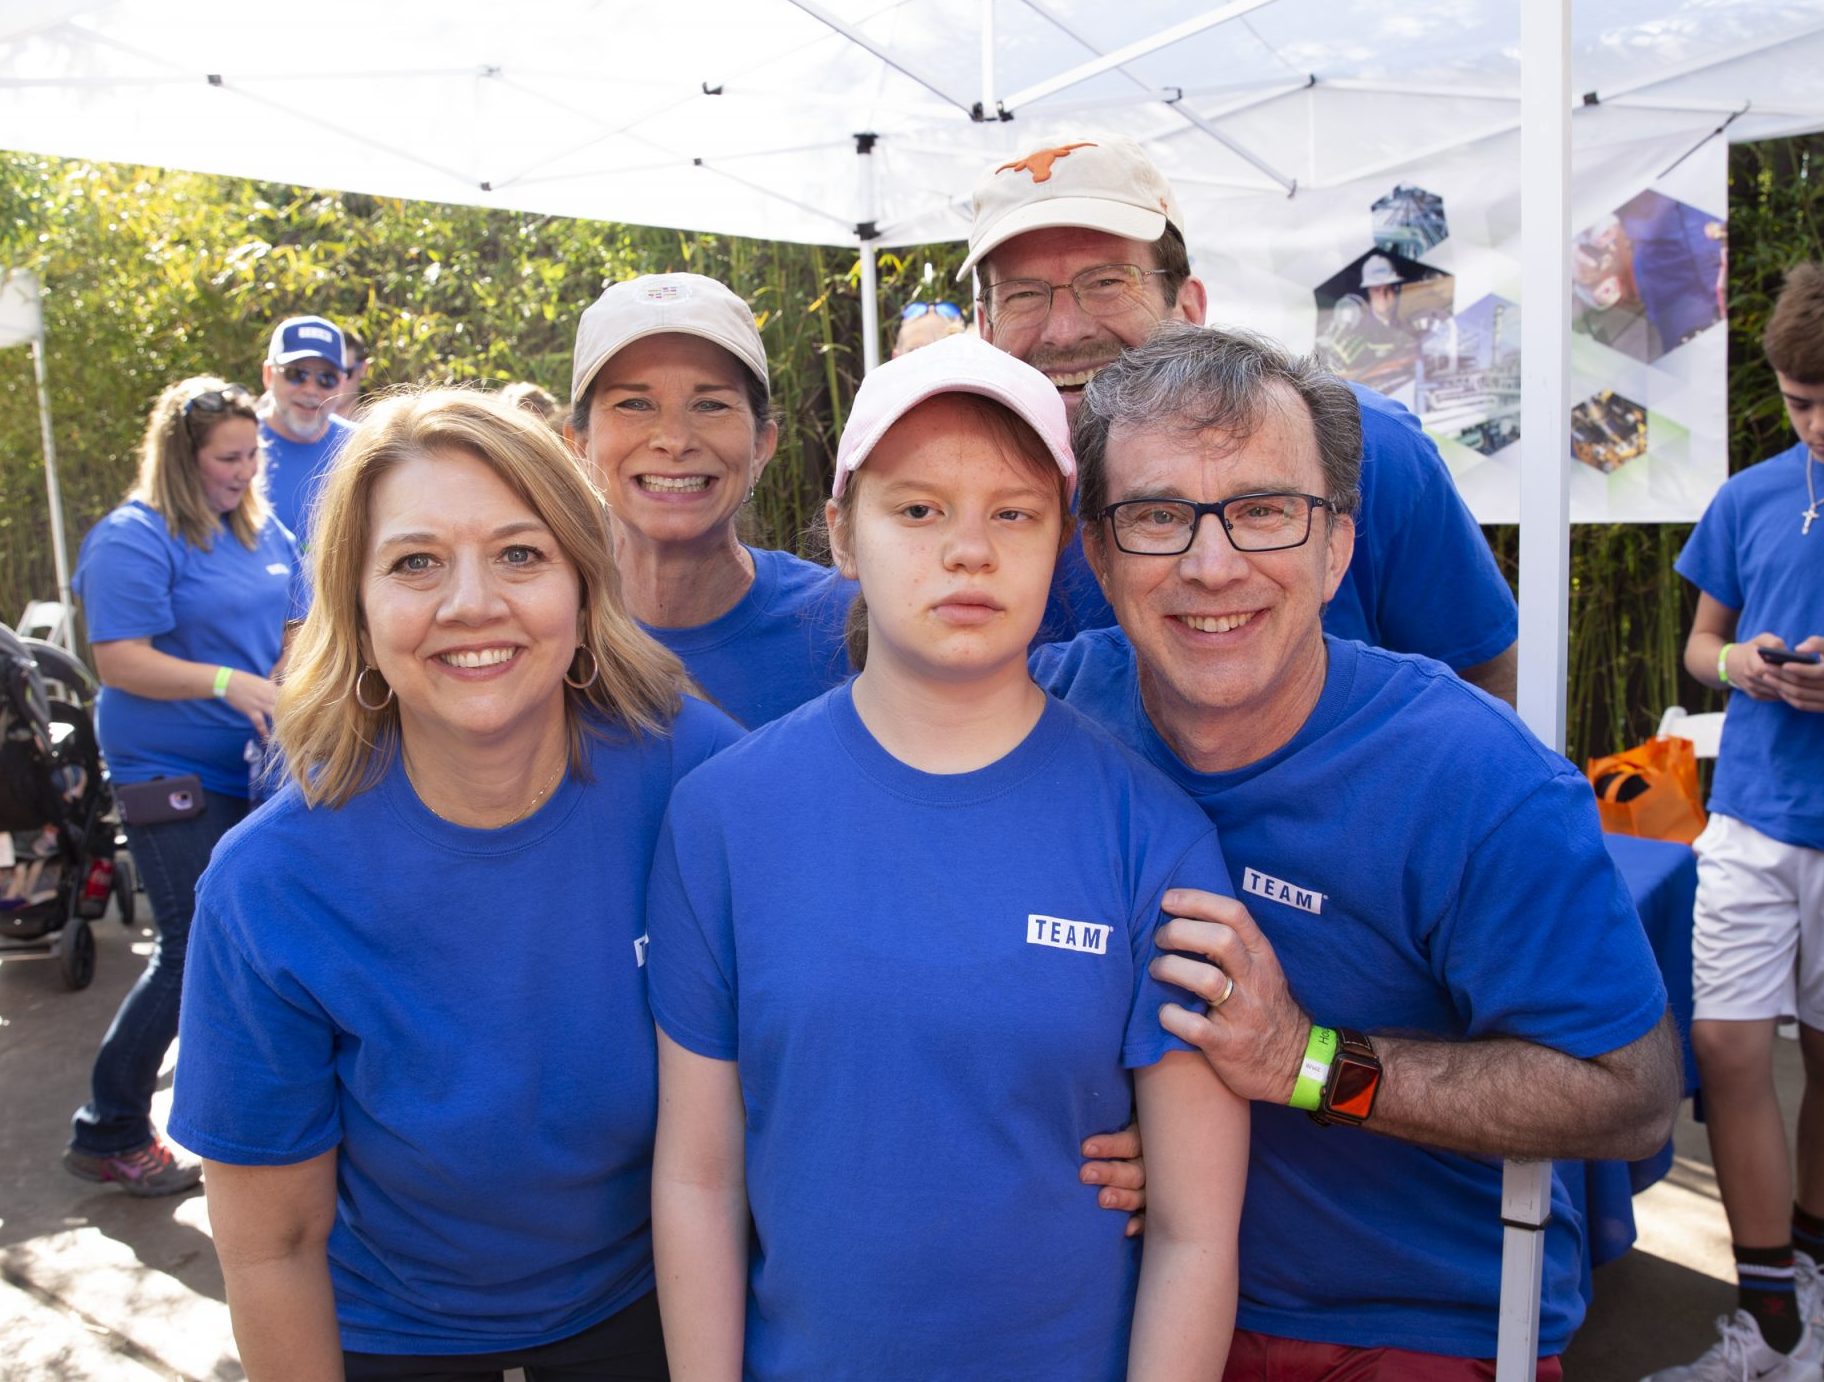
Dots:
{"x": 278, "y": 568}
{"x": 639, "y": 952}
{"x": 1063, "y": 934}
{"x": 1278, "y": 890}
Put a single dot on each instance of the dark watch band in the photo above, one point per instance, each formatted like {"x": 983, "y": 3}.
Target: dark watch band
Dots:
{"x": 1355, "y": 1079}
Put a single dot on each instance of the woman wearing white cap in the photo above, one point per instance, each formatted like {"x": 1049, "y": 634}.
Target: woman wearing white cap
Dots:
{"x": 952, "y": 972}
{"x": 670, "y": 410}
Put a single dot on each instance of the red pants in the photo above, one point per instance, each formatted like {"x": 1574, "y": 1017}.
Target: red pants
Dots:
{"x": 1265, "y": 1358}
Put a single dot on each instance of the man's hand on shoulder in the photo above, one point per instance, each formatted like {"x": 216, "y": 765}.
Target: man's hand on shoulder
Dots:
{"x": 1254, "y": 1033}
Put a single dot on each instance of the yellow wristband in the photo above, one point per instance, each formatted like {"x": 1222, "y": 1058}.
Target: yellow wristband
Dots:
{"x": 1722, "y": 664}
{"x": 1314, "y": 1070}
{"x": 222, "y": 674}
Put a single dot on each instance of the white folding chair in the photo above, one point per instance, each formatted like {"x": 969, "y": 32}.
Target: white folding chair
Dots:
{"x": 1704, "y": 731}
{"x": 46, "y": 619}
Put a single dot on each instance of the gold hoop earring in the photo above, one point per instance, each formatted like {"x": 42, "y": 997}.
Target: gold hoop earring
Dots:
{"x": 595, "y": 669}
{"x": 388, "y": 700}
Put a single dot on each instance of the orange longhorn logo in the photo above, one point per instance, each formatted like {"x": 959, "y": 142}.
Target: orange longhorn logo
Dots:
{"x": 1039, "y": 163}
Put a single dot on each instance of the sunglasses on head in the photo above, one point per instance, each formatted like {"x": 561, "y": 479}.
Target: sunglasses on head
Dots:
{"x": 219, "y": 400}
{"x": 297, "y": 376}
{"x": 915, "y": 310}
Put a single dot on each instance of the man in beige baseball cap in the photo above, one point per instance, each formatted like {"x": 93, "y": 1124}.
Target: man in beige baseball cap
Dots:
{"x": 1079, "y": 253}
{"x": 1078, "y": 250}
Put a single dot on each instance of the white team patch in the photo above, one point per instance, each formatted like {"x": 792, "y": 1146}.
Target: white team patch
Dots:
{"x": 639, "y": 952}
{"x": 278, "y": 568}
{"x": 1063, "y": 934}
{"x": 1278, "y": 890}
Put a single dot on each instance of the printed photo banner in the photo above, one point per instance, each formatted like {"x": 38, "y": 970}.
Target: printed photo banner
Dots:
{"x": 1410, "y": 284}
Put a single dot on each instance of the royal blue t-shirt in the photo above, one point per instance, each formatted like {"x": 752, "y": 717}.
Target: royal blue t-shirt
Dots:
{"x": 779, "y": 647}
{"x": 1421, "y": 865}
{"x": 462, "y": 1014}
{"x": 1422, "y": 579}
{"x": 226, "y": 607}
{"x": 294, "y": 472}
{"x": 1751, "y": 553}
{"x": 934, "y": 987}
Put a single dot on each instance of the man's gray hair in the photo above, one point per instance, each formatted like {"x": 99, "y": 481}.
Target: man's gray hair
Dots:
{"x": 1194, "y": 379}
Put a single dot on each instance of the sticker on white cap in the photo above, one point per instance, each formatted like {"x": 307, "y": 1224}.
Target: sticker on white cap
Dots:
{"x": 664, "y": 292}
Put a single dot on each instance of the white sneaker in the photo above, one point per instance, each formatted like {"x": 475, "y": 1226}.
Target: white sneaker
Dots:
{"x": 1741, "y": 1355}
{"x": 1809, "y": 1282}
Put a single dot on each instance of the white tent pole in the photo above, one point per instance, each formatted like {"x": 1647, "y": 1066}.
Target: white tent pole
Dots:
{"x": 59, "y": 553}
{"x": 867, "y": 233}
{"x": 988, "y": 98}
{"x": 1545, "y": 551}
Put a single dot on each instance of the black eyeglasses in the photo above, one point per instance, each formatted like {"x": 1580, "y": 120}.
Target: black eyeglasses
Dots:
{"x": 219, "y": 400}
{"x": 1103, "y": 291}
{"x": 947, "y": 310}
{"x": 297, "y": 376}
{"x": 1267, "y": 522}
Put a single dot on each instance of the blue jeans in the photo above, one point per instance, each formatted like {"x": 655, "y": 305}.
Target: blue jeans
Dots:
{"x": 170, "y": 858}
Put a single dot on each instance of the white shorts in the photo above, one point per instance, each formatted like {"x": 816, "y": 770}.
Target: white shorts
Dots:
{"x": 1757, "y": 935}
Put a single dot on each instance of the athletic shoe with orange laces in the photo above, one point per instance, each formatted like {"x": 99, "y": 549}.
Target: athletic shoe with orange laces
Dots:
{"x": 147, "y": 1170}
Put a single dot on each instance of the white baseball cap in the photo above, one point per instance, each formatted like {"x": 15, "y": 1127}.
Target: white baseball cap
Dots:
{"x": 1100, "y": 182}
{"x": 661, "y": 304}
{"x": 956, "y": 364}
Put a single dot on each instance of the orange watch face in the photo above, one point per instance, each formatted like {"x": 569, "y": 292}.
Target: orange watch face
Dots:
{"x": 1353, "y": 1088}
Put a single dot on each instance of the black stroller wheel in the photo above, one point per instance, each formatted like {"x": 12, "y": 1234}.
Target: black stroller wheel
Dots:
{"x": 76, "y": 954}
{"x": 126, "y": 885}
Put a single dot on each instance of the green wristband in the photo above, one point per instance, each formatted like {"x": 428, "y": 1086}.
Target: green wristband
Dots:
{"x": 1722, "y": 664}
{"x": 1320, "y": 1050}
{"x": 222, "y": 674}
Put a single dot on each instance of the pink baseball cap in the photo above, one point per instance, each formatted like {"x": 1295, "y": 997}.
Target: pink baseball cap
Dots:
{"x": 957, "y": 364}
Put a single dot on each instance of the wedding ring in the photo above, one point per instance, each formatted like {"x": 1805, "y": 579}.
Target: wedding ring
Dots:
{"x": 1228, "y": 989}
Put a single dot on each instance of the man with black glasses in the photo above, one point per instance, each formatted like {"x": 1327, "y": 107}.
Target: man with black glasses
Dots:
{"x": 1434, "y": 947}
{"x": 1079, "y": 252}
{"x": 304, "y": 373}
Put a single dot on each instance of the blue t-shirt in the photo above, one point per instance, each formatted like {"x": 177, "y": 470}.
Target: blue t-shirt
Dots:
{"x": 462, "y": 1013}
{"x": 918, "y": 973}
{"x": 1751, "y": 553}
{"x": 226, "y": 607}
{"x": 294, "y": 472}
{"x": 779, "y": 647}
{"x": 1422, "y": 865}
{"x": 1422, "y": 579}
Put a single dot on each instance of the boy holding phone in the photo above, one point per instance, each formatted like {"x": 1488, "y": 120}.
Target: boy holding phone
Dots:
{"x": 1757, "y": 558}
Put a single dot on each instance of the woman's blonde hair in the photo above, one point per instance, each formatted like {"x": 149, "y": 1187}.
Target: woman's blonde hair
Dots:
{"x": 334, "y": 746}
{"x": 170, "y": 483}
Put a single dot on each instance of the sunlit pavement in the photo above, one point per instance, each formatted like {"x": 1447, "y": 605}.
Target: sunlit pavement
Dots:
{"x": 97, "y": 1285}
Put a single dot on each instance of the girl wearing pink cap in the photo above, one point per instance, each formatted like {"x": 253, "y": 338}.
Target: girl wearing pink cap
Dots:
{"x": 904, "y": 932}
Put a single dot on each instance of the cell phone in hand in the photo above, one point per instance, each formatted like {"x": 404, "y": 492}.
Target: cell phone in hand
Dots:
{"x": 1779, "y": 657}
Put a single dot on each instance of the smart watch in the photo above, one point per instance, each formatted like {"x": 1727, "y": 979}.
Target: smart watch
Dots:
{"x": 1354, "y": 1080}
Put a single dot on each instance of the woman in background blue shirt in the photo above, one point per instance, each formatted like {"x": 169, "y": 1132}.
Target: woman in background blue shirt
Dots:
{"x": 186, "y": 588}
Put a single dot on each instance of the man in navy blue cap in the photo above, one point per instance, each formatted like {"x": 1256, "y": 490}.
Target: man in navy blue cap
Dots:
{"x": 305, "y": 369}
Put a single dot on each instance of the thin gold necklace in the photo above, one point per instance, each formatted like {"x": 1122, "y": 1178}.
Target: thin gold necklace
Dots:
{"x": 527, "y": 810}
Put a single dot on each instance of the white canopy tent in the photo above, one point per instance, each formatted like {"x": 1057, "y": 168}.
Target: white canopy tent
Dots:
{"x": 864, "y": 123}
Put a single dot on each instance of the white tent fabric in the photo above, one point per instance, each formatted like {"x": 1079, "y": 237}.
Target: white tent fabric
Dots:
{"x": 738, "y": 115}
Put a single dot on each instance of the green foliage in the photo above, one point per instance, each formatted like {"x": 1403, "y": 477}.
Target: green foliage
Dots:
{"x": 151, "y": 275}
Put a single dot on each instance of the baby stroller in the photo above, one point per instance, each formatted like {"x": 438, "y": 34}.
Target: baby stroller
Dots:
{"x": 58, "y": 856}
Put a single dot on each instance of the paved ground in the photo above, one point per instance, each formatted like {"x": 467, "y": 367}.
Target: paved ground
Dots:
{"x": 94, "y": 1285}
